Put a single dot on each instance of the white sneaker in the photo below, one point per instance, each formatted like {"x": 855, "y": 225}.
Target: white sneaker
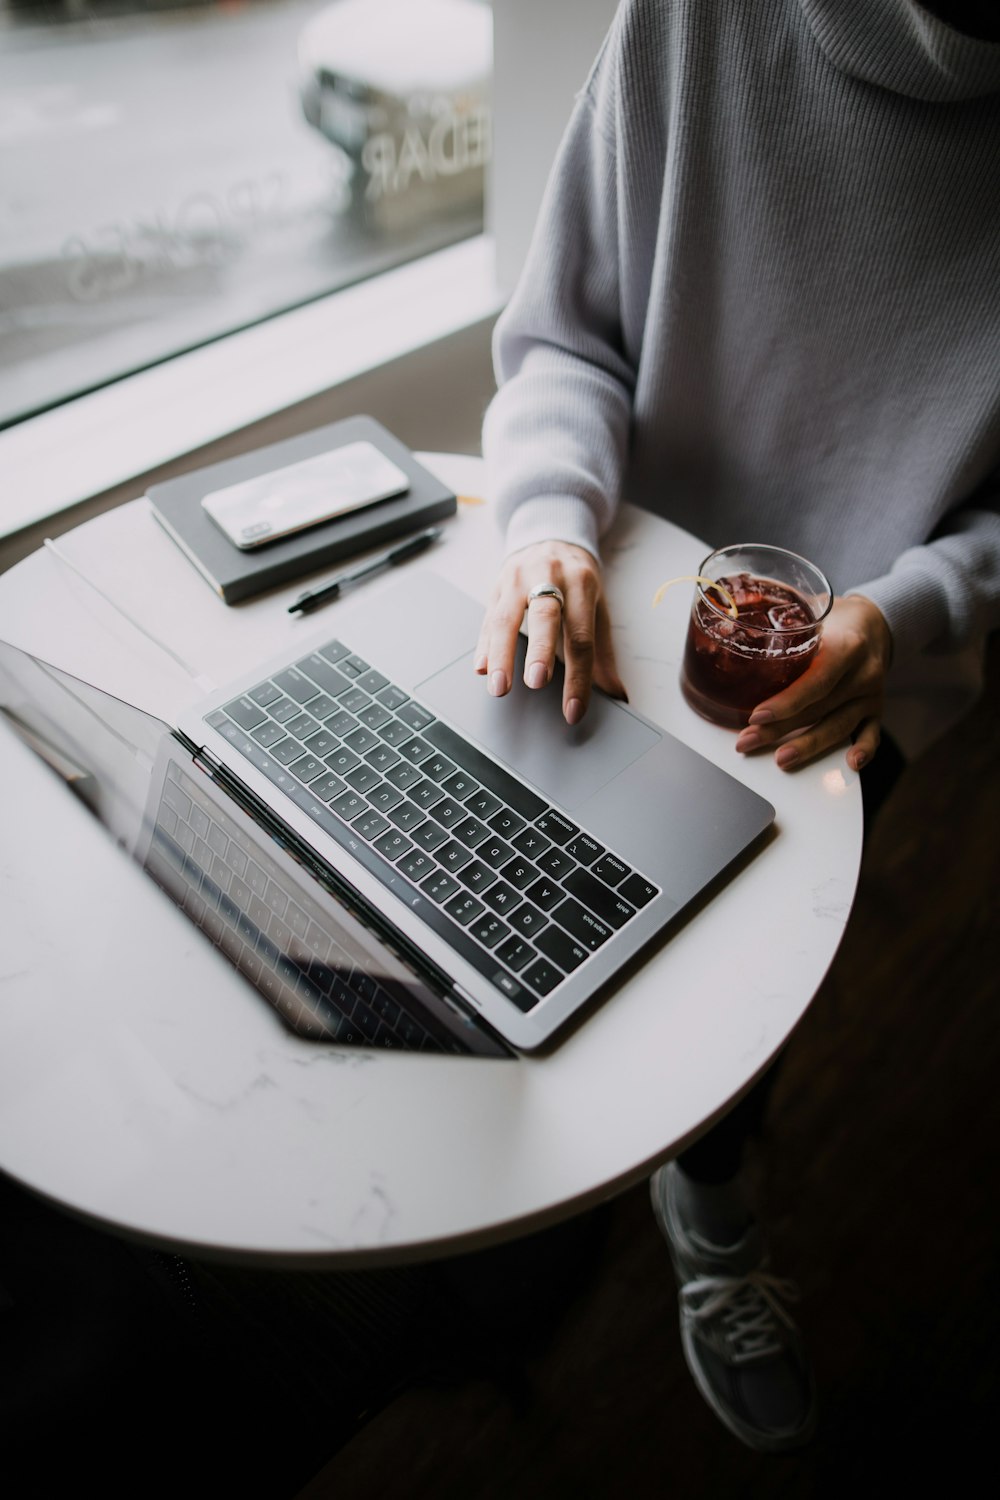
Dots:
{"x": 744, "y": 1351}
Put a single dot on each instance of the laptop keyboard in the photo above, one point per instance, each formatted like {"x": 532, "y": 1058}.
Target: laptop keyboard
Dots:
{"x": 523, "y": 893}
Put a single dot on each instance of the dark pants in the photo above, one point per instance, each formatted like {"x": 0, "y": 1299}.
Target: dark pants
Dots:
{"x": 717, "y": 1156}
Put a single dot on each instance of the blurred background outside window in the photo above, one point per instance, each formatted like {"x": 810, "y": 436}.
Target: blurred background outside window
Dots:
{"x": 170, "y": 173}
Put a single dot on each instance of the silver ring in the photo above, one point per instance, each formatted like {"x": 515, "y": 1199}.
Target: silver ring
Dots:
{"x": 547, "y": 591}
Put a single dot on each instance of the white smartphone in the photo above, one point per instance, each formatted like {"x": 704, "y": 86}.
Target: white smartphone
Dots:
{"x": 303, "y": 494}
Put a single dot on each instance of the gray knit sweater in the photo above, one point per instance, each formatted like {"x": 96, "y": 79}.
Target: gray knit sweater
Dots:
{"x": 763, "y": 300}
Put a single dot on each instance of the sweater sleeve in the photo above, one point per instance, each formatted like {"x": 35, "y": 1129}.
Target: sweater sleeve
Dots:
{"x": 556, "y": 433}
{"x": 944, "y": 595}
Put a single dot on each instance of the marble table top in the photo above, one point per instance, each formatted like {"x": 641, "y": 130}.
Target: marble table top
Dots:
{"x": 144, "y": 1086}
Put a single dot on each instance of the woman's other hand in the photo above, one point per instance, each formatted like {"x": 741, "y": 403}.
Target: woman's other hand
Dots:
{"x": 839, "y": 697}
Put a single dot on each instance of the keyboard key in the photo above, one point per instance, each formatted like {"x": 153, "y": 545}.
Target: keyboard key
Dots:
{"x": 392, "y": 697}
{"x": 334, "y": 651}
{"x": 342, "y": 760}
{"x": 482, "y": 804}
{"x": 610, "y": 868}
{"x": 393, "y": 845}
{"x": 489, "y": 930}
{"x": 448, "y": 812}
{"x": 326, "y": 787}
{"x": 635, "y": 889}
{"x": 440, "y": 886}
{"x": 361, "y": 740}
{"x": 528, "y": 920}
{"x": 429, "y": 836}
{"x": 371, "y": 825}
{"x": 502, "y": 897}
{"x": 545, "y": 893}
{"x": 461, "y": 785}
{"x": 385, "y": 796}
{"x": 354, "y": 700}
{"x": 374, "y": 716}
{"x": 340, "y": 723}
{"x": 264, "y": 694}
{"x": 515, "y": 953}
{"x": 561, "y": 948}
{"x": 246, "y": 713}
{"x": 307, "y": 767}
{"x": 319, "y": 671}
{"x": 415, "y": 866}
{"x": 520, "y": 872}
{"x": 353, "y": 665}
{"x": 531, "y": 843}
{"x": 301, "y": 726}
{"x": 464, "y": 908}
{"x": 286, "y": 751}
{"x": 471, "y": 832}
{"x": 283, "y": 710}
{"x": 542, "y": 976}
{"x": 411, "y": 713}
{"x": 437, "y": 767}
{"x": 494, "y": 851}
{"x": 507, "y": 823}
{"x": 559, "y": 829}
{"x": 453, "y": 856}
{"x": 363, "y": 778}
{"x": 321, "y": 743}
{"x": 382, "y": 758}
{"x": 372, "y": 681}
{"x": 605, "y": 902}
{"x": 268, "y": 733}
{"x": 556, "y": 864}
{"x": 406, "y": 816}
{"x": 322, "y": 707}
{"x": 416, "y": 750}
{"x": 296, "y": 685}
{"x": 425, "y": 794}
{"x": 348, "y": 806}
{"x": 477, "y": 876}
{"x": 590, "y": 930}
{"x": 394, "y": 733}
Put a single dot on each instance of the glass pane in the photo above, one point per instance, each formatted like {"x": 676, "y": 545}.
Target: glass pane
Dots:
{"x": 170, "y": 174}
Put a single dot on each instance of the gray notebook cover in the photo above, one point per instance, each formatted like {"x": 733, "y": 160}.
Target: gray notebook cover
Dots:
{"x": 237, "y": 575}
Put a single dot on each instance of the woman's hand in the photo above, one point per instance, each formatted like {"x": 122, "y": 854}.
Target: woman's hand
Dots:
{"x": 582, "y": 627}
{"x": 838, "y": 697}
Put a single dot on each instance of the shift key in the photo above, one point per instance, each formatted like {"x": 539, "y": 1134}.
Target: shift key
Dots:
{"x": 584, "y": 926}
{"x": 600, "y": 898}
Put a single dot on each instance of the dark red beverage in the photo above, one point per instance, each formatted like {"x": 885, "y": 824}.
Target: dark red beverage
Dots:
{"x": 732, "y": 664}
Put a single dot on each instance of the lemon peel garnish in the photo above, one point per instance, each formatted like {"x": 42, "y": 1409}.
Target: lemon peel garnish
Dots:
{"x": 708, "y": 583}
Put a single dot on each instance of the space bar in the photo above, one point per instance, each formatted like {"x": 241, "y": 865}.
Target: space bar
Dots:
{"x": 499, "y": 781}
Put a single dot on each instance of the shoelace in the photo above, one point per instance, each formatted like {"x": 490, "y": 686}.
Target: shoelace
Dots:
{"x": 748, "y": 1307}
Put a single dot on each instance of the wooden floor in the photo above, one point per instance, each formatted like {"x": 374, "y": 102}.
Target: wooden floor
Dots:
{"x": 558, "y": 1371}
{"x": 878, "y": 1179}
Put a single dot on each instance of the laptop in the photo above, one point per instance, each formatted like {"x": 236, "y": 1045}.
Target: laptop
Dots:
{"x": 392, "y": 857}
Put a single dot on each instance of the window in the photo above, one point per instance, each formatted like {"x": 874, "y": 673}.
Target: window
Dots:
{"x": 171, "y": 174}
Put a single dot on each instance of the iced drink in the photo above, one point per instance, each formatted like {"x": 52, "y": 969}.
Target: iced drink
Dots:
{"x": 747, "y": 647}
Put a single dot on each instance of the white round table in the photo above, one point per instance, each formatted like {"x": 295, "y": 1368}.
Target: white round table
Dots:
{"x": 144, "y": 1086}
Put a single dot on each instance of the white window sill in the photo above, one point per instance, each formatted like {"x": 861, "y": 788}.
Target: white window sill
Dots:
{"x": 89, "y": 445}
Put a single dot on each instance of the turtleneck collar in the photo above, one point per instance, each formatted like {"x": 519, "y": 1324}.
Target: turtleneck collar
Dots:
{"x": 899, "y": 46}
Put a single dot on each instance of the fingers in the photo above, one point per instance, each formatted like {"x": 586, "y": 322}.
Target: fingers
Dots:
{"x": 580, "y": 627}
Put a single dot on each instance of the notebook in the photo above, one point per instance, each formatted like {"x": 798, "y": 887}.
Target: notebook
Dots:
{"x": 237, "y": 575}
{"x": 456, "y": 871}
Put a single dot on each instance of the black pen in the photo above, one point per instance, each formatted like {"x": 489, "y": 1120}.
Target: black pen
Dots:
{"x": 410, "y": 548}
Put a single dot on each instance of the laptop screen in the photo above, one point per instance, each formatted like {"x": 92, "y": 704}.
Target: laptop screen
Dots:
{"x": 324, "y": 967}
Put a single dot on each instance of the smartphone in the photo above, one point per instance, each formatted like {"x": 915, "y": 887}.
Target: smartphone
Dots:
{"x": 269, "y": 506}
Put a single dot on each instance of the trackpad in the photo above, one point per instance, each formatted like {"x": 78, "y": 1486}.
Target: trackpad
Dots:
{"x": 527, "y": 731}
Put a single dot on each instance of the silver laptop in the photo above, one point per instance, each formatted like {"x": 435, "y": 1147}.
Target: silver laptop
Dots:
{"x": 456, "y": 871}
